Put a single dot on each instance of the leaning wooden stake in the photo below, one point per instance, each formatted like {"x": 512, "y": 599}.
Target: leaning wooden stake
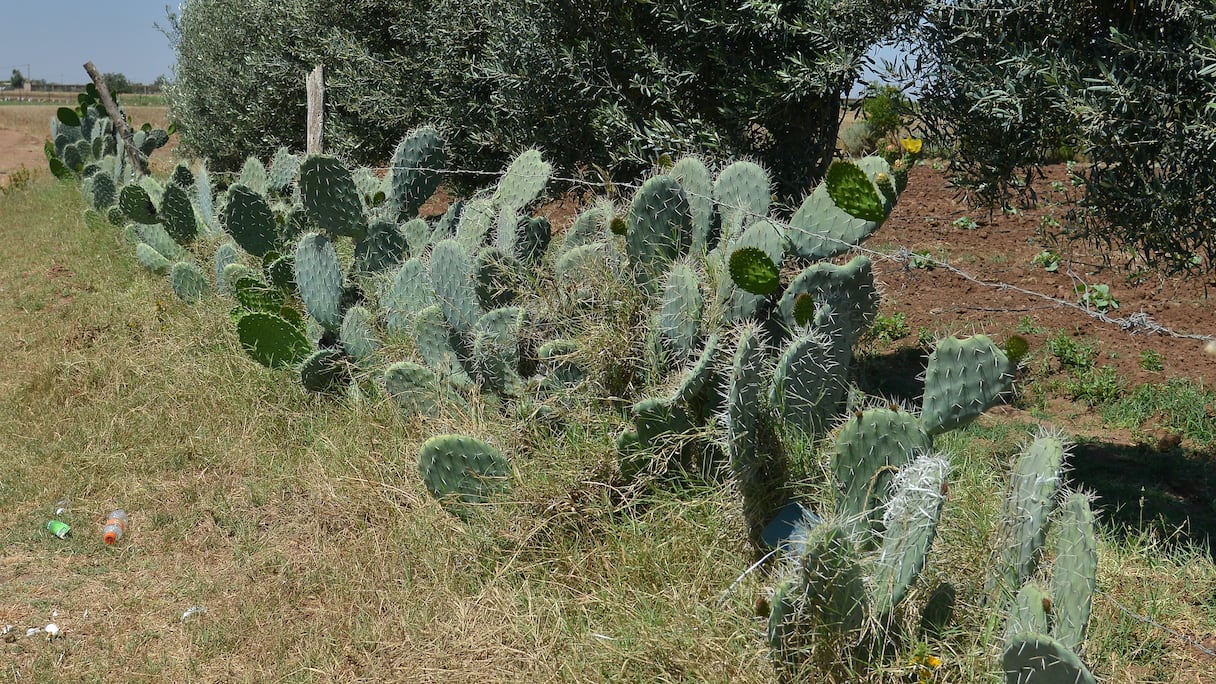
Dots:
{"x": 316, "y": 109}
{"x": 120, "y": 122}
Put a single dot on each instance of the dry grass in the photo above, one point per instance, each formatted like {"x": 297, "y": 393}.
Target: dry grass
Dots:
{"x": 301, "y": 524}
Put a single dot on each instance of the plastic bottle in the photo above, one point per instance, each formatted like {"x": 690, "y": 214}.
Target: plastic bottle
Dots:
{"x": 116, "y": 524}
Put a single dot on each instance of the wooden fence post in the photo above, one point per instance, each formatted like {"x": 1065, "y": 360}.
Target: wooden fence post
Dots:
{"x": 120, "y": 122}
{"x": 316, "y": 110}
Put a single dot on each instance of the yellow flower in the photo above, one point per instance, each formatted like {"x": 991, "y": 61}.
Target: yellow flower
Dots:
{"x": 911, "y": 145}
{"x": 924, "y": 665}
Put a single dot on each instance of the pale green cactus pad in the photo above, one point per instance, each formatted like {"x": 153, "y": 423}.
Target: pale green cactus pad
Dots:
{"x": 462, "y": 470}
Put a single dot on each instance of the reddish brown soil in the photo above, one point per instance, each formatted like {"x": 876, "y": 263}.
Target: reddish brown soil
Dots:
{"x": 1000, "y": 250}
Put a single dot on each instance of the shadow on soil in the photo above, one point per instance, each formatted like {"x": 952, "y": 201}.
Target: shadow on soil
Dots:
{"x": 1139, "y": 489}
{"x": 895, "y": 376}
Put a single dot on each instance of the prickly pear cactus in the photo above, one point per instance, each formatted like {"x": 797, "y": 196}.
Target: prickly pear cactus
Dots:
{"x": 452, "y": 278}
{"x": 283, "y": 169}
{"x": 328, "y": 192}
{"x": 253, "y": 175}
{"x": 151, "y": 259}
{"x": 909, "y": 524}
{"x": 414, "y": 388}
{"x": 415, "y": 174}
{"x": 659, "y": 227}
{"x": 522, "y": 182}
{"x": 680, "y": 310}
{"x": 248, "y": 219}
{"x": 272, "y": 340}
{"x": 382, "y": 249}
{"x": 963, "y": 378}
{"x": 852, "y": 190}
{"x": 189, "y": 283}
{"x": 870, "y": 448}
{"x": 358, "y": 334}
{"x": 1038, "y": 659}
{"x": 462, "y": 470}
{"x": 325, "y": 370}
{"x": 1075, "y": 571}
{"x": 1028, "y": 612}
{"x": 1027, "y": 510}
{"x": 156, "y": 237}
{"x": 433, "y": 338}
{"x": 743, "y": 193}
{"x": 693, "y": 177}
{"x": 319, "y": 277}
{"x": 177, "y": 215}
{"x": 136, "y": 204}
{"x": 809, "y": 384}
{"x": 409, "y": 292}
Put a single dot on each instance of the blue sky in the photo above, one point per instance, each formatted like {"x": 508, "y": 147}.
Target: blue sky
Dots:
{"x": 55, "y": 38}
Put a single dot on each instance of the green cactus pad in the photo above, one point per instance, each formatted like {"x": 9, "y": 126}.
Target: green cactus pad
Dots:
{"x": 701, "y": 388}
{"x": 591, "y": 225}
{"x": 325, "y": 370}
{"x": 272, "y": 340}
{"x": 832, "y": 581}
{"x": 474, "y": 225}
{"x": 319, "y": 277}
{"x": 532, "y": 236}
{"x": 852, "y": 190}
{"x": 189, "y": 283}
{"x": 522, "y": 182}
{"x": 803, "y": 310}
{"x": 283, "y": 169}
{"x": 255, "y": 295}
{"x": 909, "y": 524}
{"x": 693, "y": 177}
{"x": 753, "y": 271}
{"x": 557, "y": 364}
{"x": 809, "y": 384}
{"x": 680, "y": 310}
{"x": 496, "y": 349}
{"x": 1075, "y": 572}
{"x": 382, "y": 249}
{"x": 248, "y": 219}
{"x": 104, "y": 192}
{"x": 253, "y": 175}
{"x": 495, "y": 278}
{"x": 659, "y": 227}
{"x": 743, "y": 193}
{"x": 155, "y": 235}
{"x": 821, "y": 230}
{"x": 415, "y": 174}
{"x": 1038, "y": 659}
{"x": 848, "y": 289}
{"x": 177, "y": 215}
{"x": 736, "y": 303}
{"x": 462, "y": 470}
{"x": 870, "y": 448}
{"x": 452, "y": 279}
{"x": 744, "y": 397}
{"x": 414, "y": 388}
{"x": 358, "y": 334}
{"x": 963, "y": 378}
{"x": 135, "y": 203}
{"x": 409, "y": 292}
{"x": 328, "y": 192}
{"x": 151, "y": 259}
{"x": 1029, "y": 612}
{"x": 93, "y": 220}
{"x": 1023, "y": 526}
{"x": 433, "y": 339}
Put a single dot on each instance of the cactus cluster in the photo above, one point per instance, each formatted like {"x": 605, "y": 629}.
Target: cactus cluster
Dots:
{"x": 1046, "y": 627}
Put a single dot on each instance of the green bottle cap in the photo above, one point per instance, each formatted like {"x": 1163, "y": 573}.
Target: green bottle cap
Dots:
{"x": 58, "y": 528}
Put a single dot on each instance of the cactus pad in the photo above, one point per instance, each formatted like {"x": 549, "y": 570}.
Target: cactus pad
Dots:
{"x": 249, "y": 221}
{"x": 319, "y": 277}
{"x": 415, "y": 388}
{"x": 272, "y": 340}
{"x": 753, "y": 271}
{"x": 328, "y": 192}
{"x": 963, "y": 378}
{"x": 1038, "y": 659}
{"x": 462, "y": 470}
{"x": 324, "y": 370}
{"x": 852, "y": 190}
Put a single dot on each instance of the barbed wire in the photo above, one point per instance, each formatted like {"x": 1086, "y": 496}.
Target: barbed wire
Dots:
{"x": 1139, "y": 322}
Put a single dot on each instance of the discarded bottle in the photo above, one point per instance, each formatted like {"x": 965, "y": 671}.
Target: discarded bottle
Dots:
{"x": 116, "y": 524}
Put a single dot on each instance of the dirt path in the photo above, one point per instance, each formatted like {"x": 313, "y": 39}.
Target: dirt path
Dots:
{"x": 18, "y": 149}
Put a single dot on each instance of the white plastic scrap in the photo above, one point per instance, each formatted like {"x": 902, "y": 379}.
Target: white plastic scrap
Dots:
{"x": 52, "y": 630}
{"x": 192, "y": 611}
